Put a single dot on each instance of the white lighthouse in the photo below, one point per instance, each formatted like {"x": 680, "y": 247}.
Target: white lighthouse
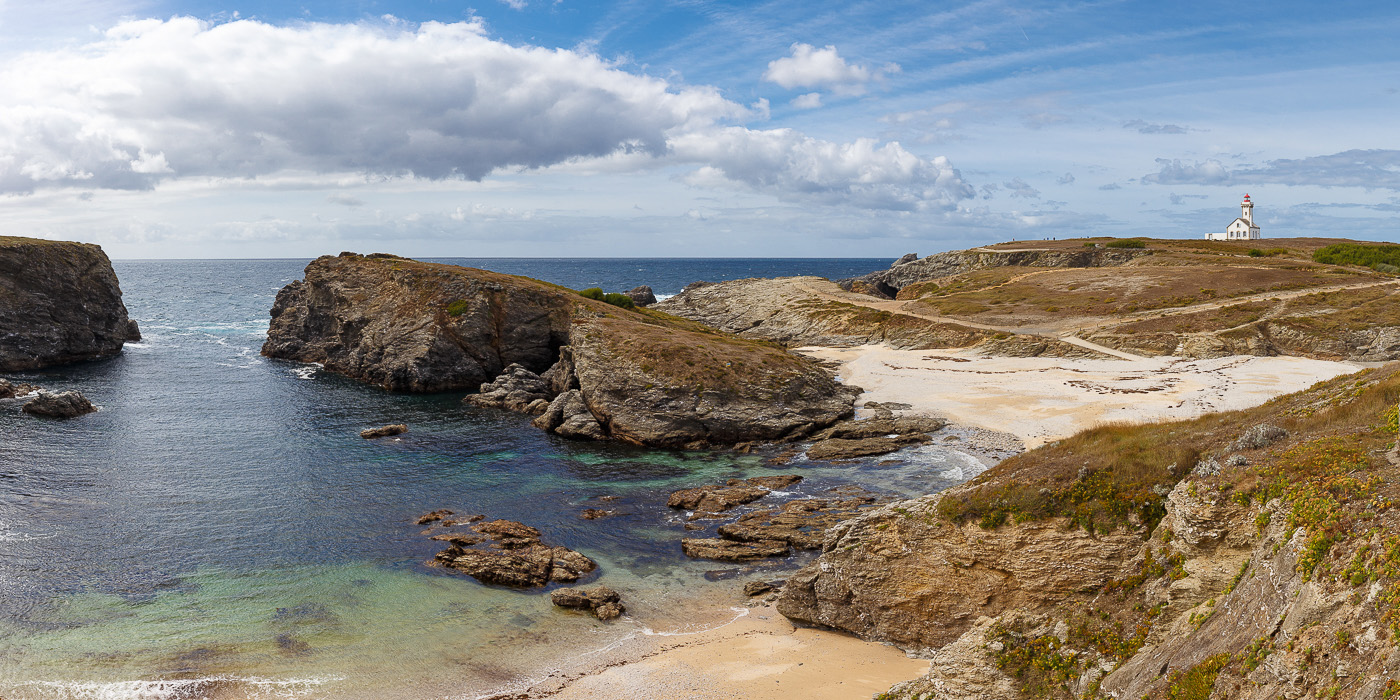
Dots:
{"x": 1241, "y": 229}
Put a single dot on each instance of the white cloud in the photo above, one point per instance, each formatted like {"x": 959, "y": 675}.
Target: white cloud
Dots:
{"x": 811, "y": 67}
{"x": 346, "y": 200}
{"x": 183, "y": 98}
{"x": 1020, "y": 188}
{"x": 811, "y": 100}
{"x": 1174, "y": 172}
{"x": 795, "y": 167}
{"x": 168, "y": 101}
{"x": 516, "y": 4}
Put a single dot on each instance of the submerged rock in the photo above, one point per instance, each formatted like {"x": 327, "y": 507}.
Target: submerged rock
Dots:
{"x": 64, "y": 404}
{"x": 59, "y": 303}
{"x": 874, "y": 436}
{"x": 603, "y": 602}
{"x": 384, "y": 431}
{"x": 731, "y": 550}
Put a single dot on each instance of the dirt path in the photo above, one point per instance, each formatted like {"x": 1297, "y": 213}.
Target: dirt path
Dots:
{"x": 1069, "y": 329}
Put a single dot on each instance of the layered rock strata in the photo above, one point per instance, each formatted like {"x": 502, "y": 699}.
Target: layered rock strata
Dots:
{"x": 59, "y": 303}
{"x": 590, "y": 369}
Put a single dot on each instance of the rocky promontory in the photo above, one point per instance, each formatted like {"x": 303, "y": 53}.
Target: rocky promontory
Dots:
{"x": 910, "y": 270}
{"x": 590, "y": 369}
{"x": 1250, "y": 554}
{"x": 59, "y": 303}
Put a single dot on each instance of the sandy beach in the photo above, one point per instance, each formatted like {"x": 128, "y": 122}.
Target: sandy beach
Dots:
{"x": 760, "y": 655}
{"x": 1045, "y": 399}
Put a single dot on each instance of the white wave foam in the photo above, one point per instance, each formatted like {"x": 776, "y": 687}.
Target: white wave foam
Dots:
{"x": 308, "y": 371}
{"x": 182, "y": 689}
{"x": 663, "y": 297}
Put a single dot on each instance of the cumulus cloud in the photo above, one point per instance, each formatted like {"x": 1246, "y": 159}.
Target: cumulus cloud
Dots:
{"x": 1066, "y": 179}
{"x": 1143, "y": 127}
{"x": 795, "y": 167}
{"x": 811, "y": 100}
{"x": 183, "y": 97}
{"x": 156, "y": 100}
{"x": 811, "y": 67}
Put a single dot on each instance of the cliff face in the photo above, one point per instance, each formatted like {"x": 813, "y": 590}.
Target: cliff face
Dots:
{"x": 409, "y": 326}
{"x": 59, "y": 303}
{"x": 607, "y": 373}
{"x": 1270, "y": 569}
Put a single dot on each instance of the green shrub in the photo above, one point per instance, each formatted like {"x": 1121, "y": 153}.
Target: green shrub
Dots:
{"x": 1256, "y": 253}
{"x": 1126, "y": 243}
{"x": 457, "y": 308}
{"x": 1375, "y": 257}
{"x": 619, "y": 300}
{"x": 592, "y": 293}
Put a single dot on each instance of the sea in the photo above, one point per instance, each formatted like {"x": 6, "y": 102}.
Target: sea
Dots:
{"x": 219, "y": 529}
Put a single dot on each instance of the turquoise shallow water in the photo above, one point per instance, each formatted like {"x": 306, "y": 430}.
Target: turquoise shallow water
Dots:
{"x": 218, "y": 528}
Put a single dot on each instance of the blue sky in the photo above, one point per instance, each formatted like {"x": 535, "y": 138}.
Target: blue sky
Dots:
{"x": 563, "y": 128}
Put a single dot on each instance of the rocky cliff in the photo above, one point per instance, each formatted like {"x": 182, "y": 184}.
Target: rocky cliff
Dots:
{"x": 905, "y": 272}
{"x": 59, "y": 303}
{"x": 1252, "y": 554}
{"x": 785, "y": 310}
{"x": 592, "y": 369}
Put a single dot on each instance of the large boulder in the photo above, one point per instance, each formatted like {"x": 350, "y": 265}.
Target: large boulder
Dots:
{"x": 641, "y": 296}
{"x": 59, "y": 303}
{"x": 63, "y": 404}
{"x": 900, "y": 574}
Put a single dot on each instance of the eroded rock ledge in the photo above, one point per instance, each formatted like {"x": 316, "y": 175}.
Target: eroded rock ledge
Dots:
{"x": 589, "y": 369}
{"x": 59, "y": 303}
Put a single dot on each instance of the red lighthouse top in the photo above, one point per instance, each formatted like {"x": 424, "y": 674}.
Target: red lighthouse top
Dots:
{"x": 1246, "y": 198}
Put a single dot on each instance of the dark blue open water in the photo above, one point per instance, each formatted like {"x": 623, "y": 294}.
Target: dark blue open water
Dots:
{"x": 220, "y": 517}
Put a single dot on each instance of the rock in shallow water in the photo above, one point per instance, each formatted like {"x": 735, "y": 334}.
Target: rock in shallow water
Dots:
{"x": 10, "y": 390}
{"x": 64, "y": 404}
{"x": 384, "y": 431}
{"x": 509, "y": 553}
{"x": 602, "y": 601}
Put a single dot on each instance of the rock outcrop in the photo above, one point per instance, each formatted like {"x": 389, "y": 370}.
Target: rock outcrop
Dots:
{"x": 797, "y": 525}
{"x": 63, "y": 404}
{"x": 606, "y": 373}
{"x": 11, "y": 390}
{"x": 786, "y": 311}
{"x": 641, "y": 296}
{"x": 736, "y": 492}
{"x": 603, "y": 602}
{"x": 887, "y": 283}
{"x": 508, "y": 553}
{"x": 1266, "y": 576}
{"x": 900, "y": 574}
{"x": 59, "y": 303}
{"x": 384, "y": 431}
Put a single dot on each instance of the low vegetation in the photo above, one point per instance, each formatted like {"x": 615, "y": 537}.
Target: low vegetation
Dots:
{"x": 619, "y": 300}
{"x": 1383, "y": 258}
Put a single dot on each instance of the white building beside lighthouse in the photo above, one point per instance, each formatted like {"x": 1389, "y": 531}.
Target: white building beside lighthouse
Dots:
{"x": 1241, "y": 229}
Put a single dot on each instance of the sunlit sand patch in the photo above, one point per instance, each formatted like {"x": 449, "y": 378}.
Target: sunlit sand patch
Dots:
{"x": 1045, "y": 399}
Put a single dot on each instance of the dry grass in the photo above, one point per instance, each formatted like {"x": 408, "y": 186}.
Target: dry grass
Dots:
{"x": 1117, "y": 475}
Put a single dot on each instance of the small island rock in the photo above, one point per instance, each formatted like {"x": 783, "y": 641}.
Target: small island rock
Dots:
{"x": 64, "y": 404}
{"x": 384, "y": 431}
